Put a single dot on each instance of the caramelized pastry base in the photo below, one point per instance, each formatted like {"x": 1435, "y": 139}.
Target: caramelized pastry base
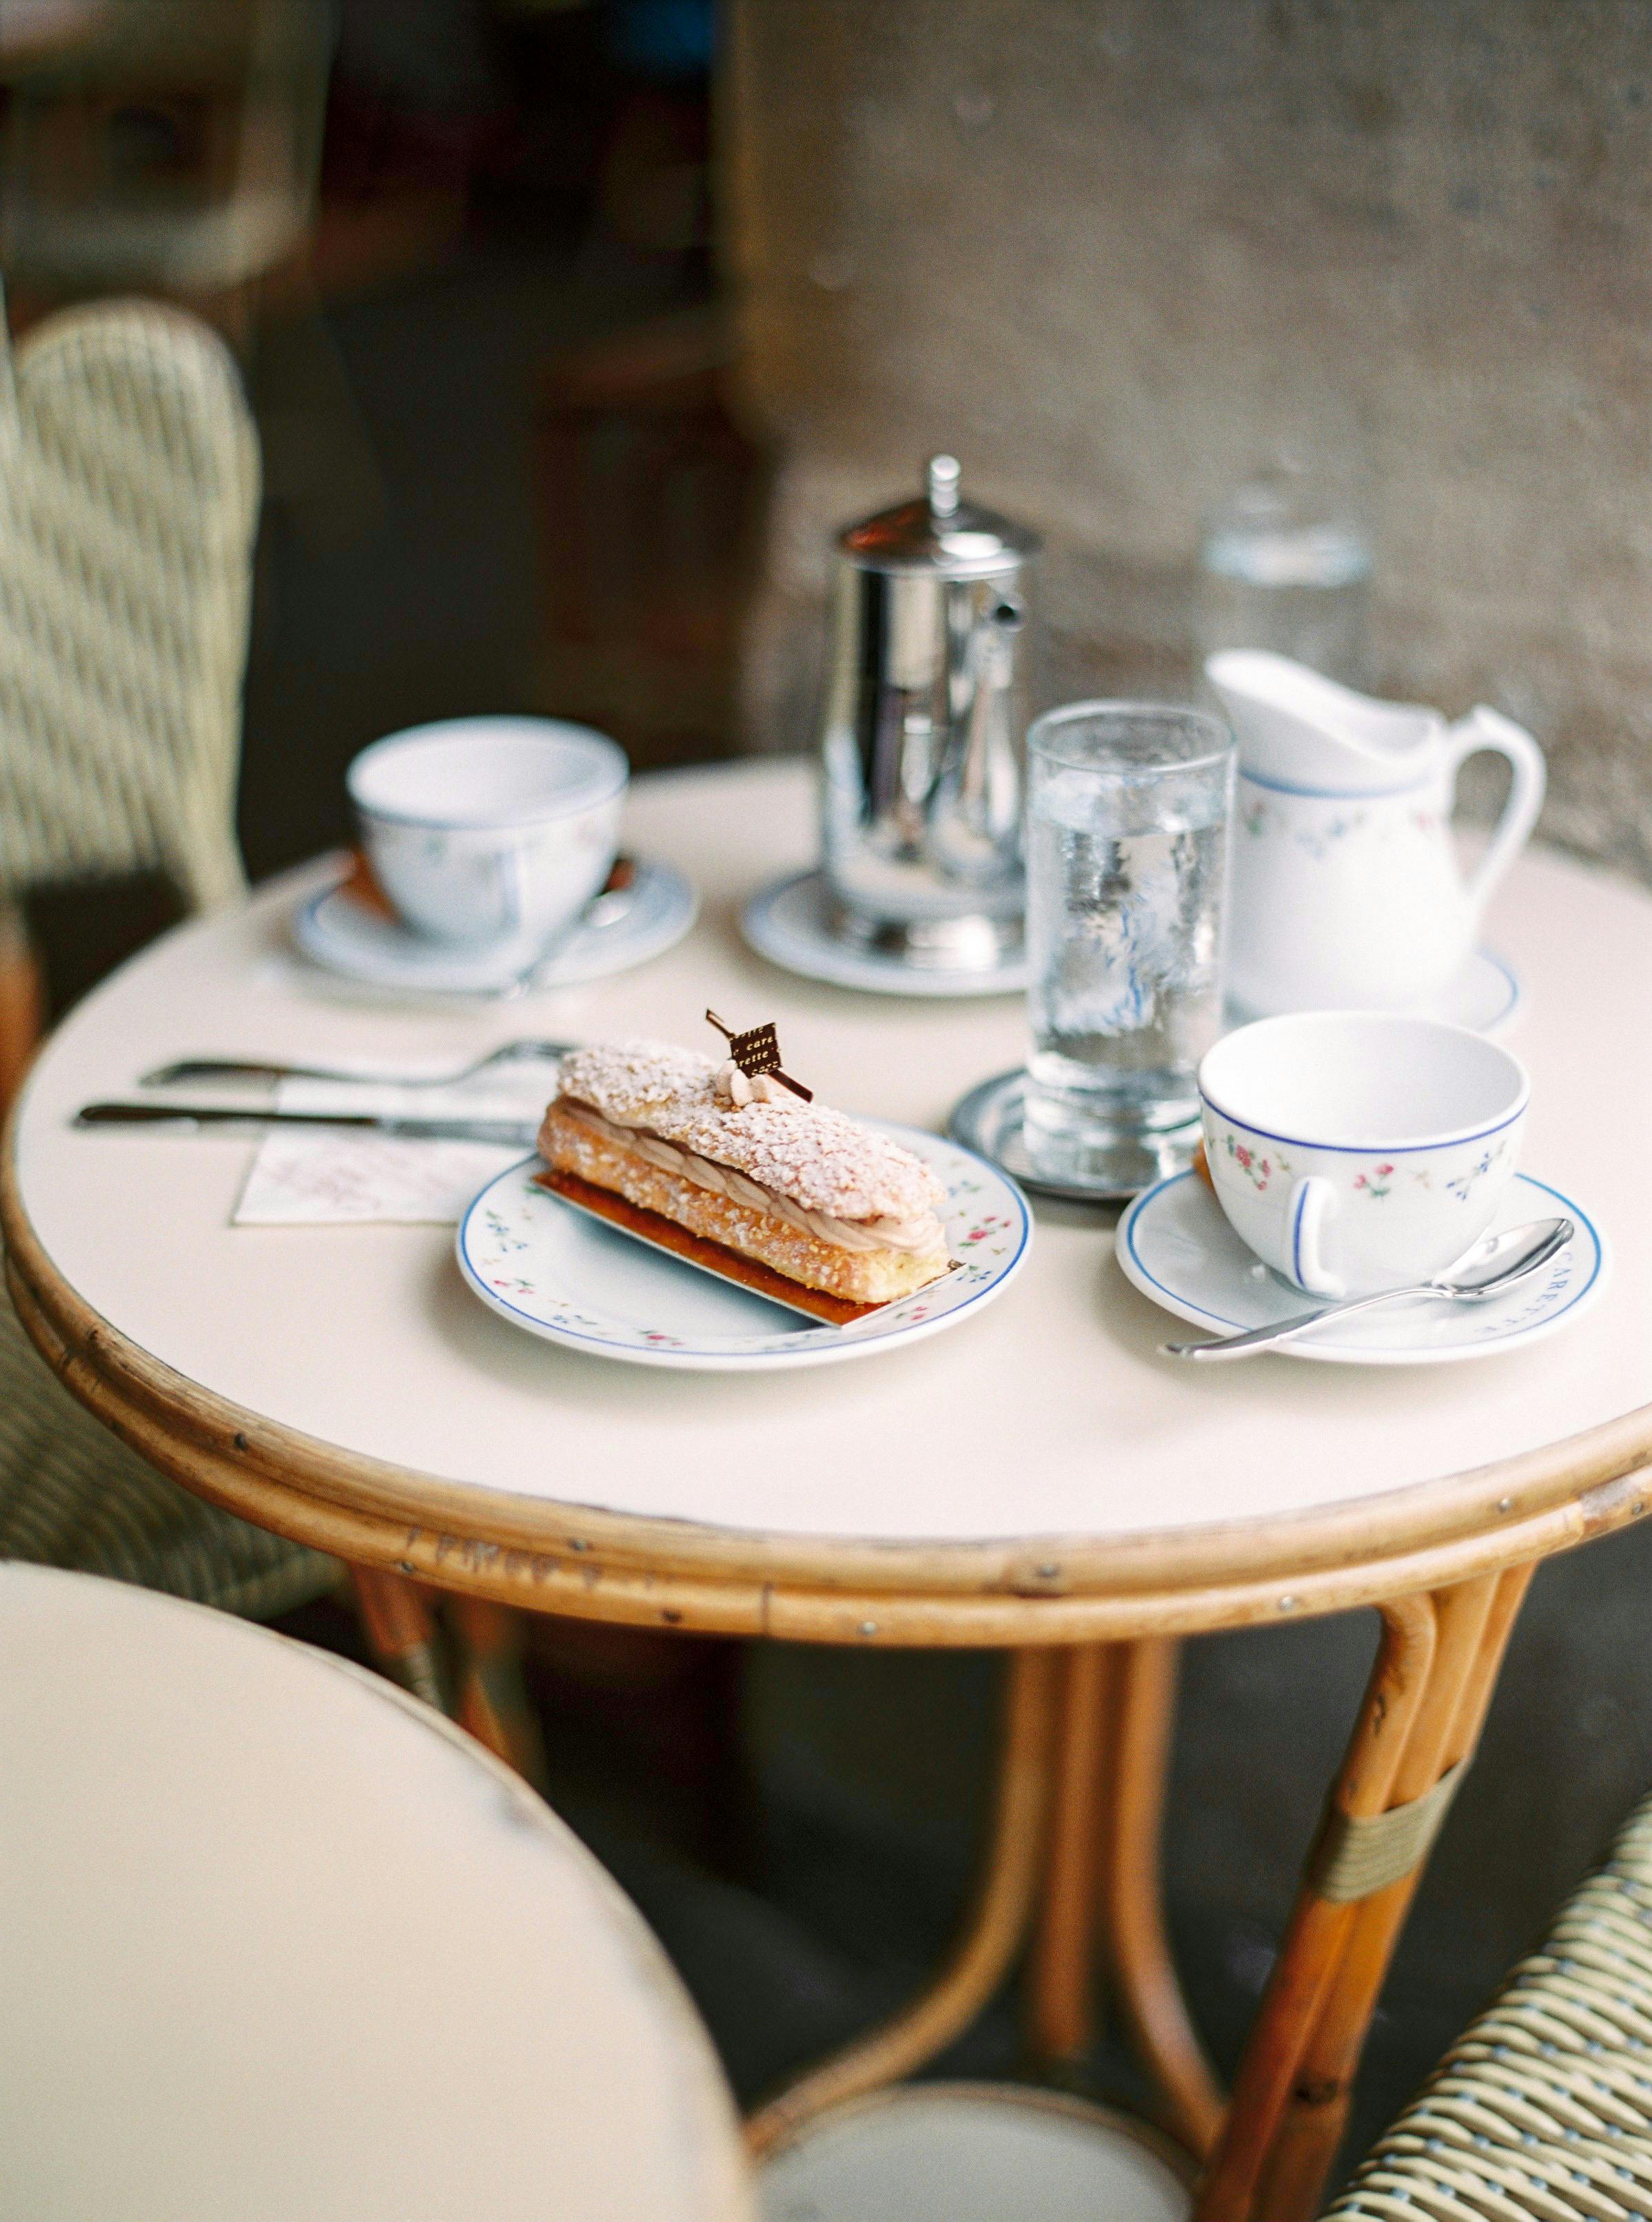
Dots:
{"x": 710, "y": 1257}
{"x": 860, "y": 1277}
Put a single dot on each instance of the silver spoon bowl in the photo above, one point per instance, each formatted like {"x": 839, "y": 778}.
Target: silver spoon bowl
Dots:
{"x": 1496, "y": 1263}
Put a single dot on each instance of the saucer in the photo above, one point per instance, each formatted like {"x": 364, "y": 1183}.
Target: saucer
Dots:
{"x": 573, "y": 1279}
{"x": 1485, "y": 996}
{"x": 989, "y": 1120}
{"x": 788, "y": 922}
{"x": 343, "y": 934}
{"x": 1176, "y": 1247}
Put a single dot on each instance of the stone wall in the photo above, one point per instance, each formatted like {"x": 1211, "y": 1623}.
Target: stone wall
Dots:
{"x": 1099, "y": 248}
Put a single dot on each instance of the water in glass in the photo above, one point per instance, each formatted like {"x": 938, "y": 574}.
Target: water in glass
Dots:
{"x": 1126, "y": 867}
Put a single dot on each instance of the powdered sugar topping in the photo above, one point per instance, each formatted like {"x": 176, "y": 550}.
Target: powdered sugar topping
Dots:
{"x": 820, "y": 1159}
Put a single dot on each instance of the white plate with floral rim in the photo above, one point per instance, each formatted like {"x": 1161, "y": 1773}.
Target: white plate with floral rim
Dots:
{"x": 1176, "y": 1247}
{"x": 561, "y": 1274}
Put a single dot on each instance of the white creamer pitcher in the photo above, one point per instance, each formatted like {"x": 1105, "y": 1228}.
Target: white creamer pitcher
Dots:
{"x": 1345, "y": 890}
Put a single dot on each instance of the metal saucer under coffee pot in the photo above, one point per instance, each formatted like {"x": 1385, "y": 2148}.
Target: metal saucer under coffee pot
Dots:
{"x": 973, "y": 943}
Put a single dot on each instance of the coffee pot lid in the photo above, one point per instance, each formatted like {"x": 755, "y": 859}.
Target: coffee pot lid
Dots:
{"x": 938, "y": 534}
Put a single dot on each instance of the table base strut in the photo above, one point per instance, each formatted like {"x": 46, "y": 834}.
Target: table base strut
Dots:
{"x": 1072, "y": 1854}
{"x": 992, "y": 1935}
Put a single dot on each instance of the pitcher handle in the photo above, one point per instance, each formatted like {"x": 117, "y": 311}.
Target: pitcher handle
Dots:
{"x": 1485, "y": 728}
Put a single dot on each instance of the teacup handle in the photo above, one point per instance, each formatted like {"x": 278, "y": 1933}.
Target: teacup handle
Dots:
{"x": 1485, "y": 728}
{"x": 1311, "y": 1203}
{"x": 512, "y": 881}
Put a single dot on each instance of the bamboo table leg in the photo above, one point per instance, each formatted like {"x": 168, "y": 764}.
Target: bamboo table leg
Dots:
{"x": 1475, "y": 1620}
{"x": 1138, "y": 1949}
{"x": 401, "y": 1629}
{"x": 403, "y": 1633}
{"x": 992, "y": 1934}
{"x": 1061, "y": 1975}
{"x": 1436, "y": 1669}
{"x": 23, "y": 1002}
{"x": 491, "y": 1700}
{"x": 1116, "y": 1709}
{"x": 1317, "y": 1929}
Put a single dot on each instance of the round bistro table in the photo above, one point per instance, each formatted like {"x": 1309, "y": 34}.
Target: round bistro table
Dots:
{"x": 1039, "y": 1481}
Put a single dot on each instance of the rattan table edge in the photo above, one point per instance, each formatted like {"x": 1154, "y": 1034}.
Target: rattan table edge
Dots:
{"x": 598, "y": 1563}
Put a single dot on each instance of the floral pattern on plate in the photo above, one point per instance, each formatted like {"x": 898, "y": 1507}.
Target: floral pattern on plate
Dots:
{"x": 560, "y": 1275}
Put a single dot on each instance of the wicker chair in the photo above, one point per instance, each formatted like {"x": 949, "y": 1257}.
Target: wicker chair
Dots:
{"x": 129, "y": 502}
{"x": 1543, "y": 2106}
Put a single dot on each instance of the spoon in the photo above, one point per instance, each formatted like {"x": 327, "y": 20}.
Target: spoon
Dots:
{"x": 1496, "y": 1262}
{"x": 231, "y": 1068}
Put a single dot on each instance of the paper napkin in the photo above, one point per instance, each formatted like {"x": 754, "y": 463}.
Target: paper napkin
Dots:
{"x": 317, "y": 1177}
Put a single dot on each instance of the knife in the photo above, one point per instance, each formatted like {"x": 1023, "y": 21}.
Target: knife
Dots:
{"x": 508, "y": 1133}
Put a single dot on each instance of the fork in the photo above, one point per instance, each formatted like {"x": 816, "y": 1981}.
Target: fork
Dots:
{"x": 231, "y": 1068}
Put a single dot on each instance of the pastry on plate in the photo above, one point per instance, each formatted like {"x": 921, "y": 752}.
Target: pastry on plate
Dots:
{"x": 737, "y": 1171}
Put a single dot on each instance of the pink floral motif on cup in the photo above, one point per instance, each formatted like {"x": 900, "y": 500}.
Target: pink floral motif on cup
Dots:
{"x": 1379, "y": 1181}
{"x": 1258, "y": 1170}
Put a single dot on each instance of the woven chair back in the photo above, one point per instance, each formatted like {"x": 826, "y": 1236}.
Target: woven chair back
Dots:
{"x": 129, "y": 503}
{"x": 1542, "y": 2111}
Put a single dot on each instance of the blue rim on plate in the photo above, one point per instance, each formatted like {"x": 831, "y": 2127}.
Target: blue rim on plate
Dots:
{"x": 1201, "y": 1272}
{"x": 570, "y": 1279}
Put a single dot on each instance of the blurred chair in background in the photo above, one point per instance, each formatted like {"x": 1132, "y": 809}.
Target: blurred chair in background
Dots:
{"x": 170, "y": 145}
{"x": 173, "y": 148}
{"x": 129, "y": 503}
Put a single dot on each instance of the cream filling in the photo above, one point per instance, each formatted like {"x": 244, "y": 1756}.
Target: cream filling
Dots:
{"x": 921, "y": 1236}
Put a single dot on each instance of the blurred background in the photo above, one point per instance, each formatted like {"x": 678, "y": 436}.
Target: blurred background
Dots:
{"x": 462, "y": 250}
{"x": 572, "y": 331}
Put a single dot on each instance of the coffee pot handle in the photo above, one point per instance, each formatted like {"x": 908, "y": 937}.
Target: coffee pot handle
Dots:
{"x": 1485, "y": 728}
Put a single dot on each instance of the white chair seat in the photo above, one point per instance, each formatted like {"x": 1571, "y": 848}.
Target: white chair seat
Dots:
{"x": 284, "y": 1946}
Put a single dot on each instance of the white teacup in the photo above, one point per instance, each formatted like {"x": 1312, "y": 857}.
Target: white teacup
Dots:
{"x": 490, "y": 829}
{"x": 1354, "y": 1150}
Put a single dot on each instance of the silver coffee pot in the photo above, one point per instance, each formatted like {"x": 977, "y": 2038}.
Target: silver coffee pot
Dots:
{"x": 922, "y": 733}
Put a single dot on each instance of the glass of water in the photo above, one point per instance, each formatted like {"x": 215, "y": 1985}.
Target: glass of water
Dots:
{"x": 1126, "y": 855}
{"x": 1282, "y": 566}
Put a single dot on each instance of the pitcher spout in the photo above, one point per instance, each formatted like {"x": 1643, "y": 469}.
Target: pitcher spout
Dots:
{"x": 1297, "y": 728}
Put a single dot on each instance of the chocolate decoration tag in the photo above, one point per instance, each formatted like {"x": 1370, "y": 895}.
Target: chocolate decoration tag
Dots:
{"x": 758, "y": 1050}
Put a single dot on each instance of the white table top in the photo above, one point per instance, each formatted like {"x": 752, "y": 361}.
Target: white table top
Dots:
{"x": 281, "y": 1942}
{"x": 1048, "y": 1415}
